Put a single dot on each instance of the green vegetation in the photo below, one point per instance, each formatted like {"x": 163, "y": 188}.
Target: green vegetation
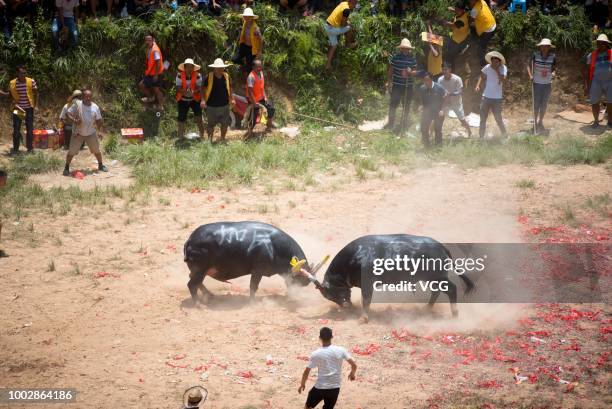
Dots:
{"x": 110, "y": 56}
{"x": 600, "y": 203}
{"x": 160, "y": 163}
{"x": 110, "y": 59}
{"x": 525, "y": 184}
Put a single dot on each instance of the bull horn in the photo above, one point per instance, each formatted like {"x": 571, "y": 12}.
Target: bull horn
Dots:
{"x": 317, "y": 267}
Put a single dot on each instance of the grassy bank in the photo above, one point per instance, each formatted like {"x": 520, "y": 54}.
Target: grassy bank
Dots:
{"x": 295, "y": 163}
{"x": 110, "y": 55}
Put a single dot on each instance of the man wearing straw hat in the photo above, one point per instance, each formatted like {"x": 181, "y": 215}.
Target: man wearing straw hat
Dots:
{"x": 217, "y": 99}
{"x": 598, "y": 78}
{"x": 189, "y": 95}
{"x": 541, "y": 69}
{"x": 494, "y": 74}
{"x": 250, "y": 42}
{"x": 400, "y": 81}
{"x": 65, "y": 121}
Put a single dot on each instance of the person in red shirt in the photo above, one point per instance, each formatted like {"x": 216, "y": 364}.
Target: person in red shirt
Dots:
{"x": 256, "y": 94}
{"x": 151, "y": 83}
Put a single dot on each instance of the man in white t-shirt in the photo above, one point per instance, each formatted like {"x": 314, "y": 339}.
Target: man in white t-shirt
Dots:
{"x": 494, "y": 74}
{"x": 328, "y": 361}
{"x": 453, "y": 84}
{"x": 87, "y": 120}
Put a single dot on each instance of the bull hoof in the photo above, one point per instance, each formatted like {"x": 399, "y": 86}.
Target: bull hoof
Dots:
{"x": 363, "y": 319}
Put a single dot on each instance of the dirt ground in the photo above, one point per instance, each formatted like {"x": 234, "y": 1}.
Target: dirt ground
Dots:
{"x": 96, "y": 300}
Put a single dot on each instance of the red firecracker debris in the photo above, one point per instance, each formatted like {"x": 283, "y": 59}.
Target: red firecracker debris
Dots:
{"x": 502, "y": 358}
{"x": 368, "y": 350}
{"x": 245, "y": 374}
{"x": 303, "y": 358}
{"x": 102, "y": 274}
{"x": 488, "y": 384}
{"x": 179, "y": 357}
{"x": 173, "y": 365}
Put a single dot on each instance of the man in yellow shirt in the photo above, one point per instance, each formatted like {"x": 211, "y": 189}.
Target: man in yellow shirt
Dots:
{"x": 459, "y": 39}
{"x": 250, "y": 42}
{"x": 484, "y": 23}
{"x": 336, "y": 25}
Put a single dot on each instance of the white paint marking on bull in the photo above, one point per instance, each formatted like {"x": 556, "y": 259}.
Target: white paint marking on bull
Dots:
{"x": 229, "y": 234}
{"x": 364, "y": 254}
{"x": 261, "y": 237}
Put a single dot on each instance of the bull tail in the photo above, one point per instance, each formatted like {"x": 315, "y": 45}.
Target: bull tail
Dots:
{"x": 186, "y": 256}
{"x": 469, "y": 284}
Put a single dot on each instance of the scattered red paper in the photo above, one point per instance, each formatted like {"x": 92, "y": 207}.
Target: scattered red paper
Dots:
{"x": 173, "y": 365}
{"x": 245, "y": 374}
{"x": 102, "y": 274}
{"x": 179, "y": 356}
{"x": 171, "y": 247}
{"x": 368, "y": 350}
{"x": 322, "y": 321}
{"x": 603, "y": 358}
{"x": 201, "y": 368}
{"x": 402, "y": 335}
{"x": 303, "y": 358}
{"x": 523, "y": 219}
{"x": 489, "y": 384}
{"x": 77, "y": 174}
{"x": 503, "y": 358}
{"x": 210, "y": 198}
{"x": 195, "y": 190}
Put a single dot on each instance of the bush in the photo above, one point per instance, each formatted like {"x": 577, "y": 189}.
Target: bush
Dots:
{"x": 110, "y": 56}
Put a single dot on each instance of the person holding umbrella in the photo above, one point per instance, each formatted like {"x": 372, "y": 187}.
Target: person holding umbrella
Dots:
{"x": 541, "y": 69}
{"x": 189, "y": 95}
{"x": 598, "y": 78}
{"x": 400, "y": 82}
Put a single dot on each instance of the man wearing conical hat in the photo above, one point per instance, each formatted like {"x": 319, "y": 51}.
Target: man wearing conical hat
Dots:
{"x": 540, "y": 69}
{"x": 189, "y": 95}
{"x": 250, "y": 42}
{"x": 598, "y": 78}
{"x": 400, "y": 81}
{"x": 218, "y": 99}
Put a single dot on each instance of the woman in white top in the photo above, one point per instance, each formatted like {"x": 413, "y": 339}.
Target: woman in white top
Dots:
{"x": 494, "y": 74}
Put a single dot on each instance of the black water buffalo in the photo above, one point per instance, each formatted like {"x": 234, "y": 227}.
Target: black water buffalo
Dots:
{"x": 345, "y": 270}
{"x": 229, "y": 250}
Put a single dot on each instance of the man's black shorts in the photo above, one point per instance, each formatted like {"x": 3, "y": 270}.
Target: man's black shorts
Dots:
{"x": 328, "y": 396}
{"x": 149, "y": 83}
{"x": 183, "y": 109}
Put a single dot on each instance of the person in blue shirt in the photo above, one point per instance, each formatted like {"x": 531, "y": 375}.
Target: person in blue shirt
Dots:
{"x": 432, "y": 97}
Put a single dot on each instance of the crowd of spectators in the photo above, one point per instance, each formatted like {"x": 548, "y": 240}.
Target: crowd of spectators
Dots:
{"x": 598, "y": 11}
